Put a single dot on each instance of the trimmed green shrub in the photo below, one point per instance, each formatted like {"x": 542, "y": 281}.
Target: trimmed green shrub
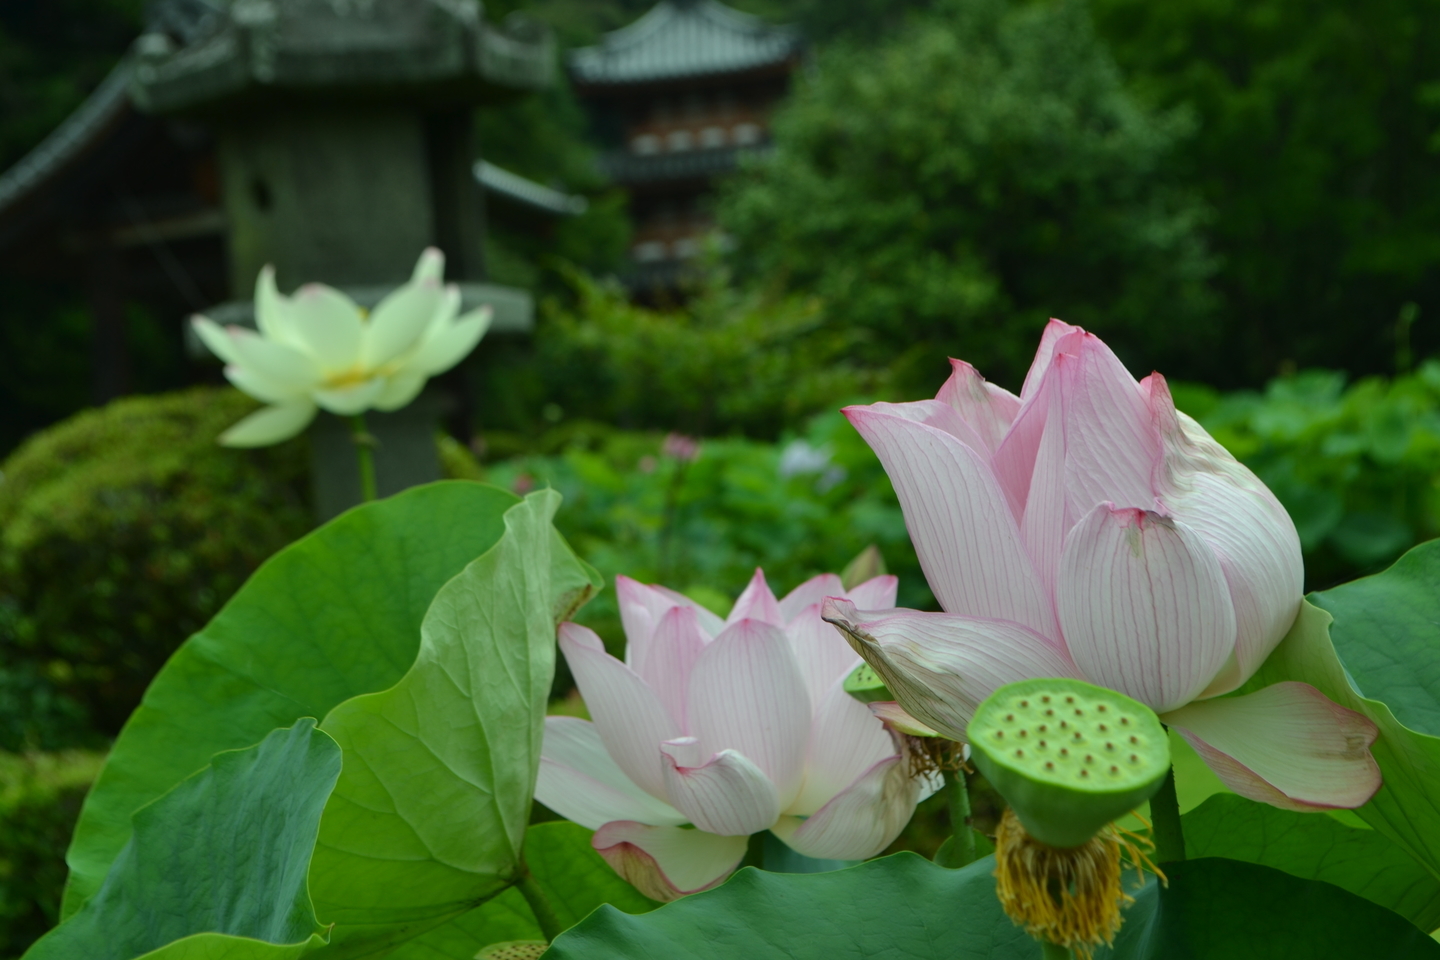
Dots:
{"x": 123, "y": 530}
{"x": 40, "y": 797}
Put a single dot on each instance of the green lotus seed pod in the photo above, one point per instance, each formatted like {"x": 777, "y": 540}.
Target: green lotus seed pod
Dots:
{"x": 1068, "y": 756}
{"x": 865, "y": 685}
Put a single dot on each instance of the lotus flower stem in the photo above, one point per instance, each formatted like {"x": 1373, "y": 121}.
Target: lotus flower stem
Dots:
{"x": 961, "y": 848}
{"x": 545, "y": 916}
{"x": 364, "y": 456}
{"x": 1165, "y": 813}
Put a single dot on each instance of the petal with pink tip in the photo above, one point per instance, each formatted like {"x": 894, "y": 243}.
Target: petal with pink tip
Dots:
{"x": 937, "y": 414}
{"x": 821, "y": 652}
{"x": 1234, "y": 512}
{"x": 988, "y": 409}
{"x": 273, "y": 310}
{"x": 747, "y": 694}
{"x": 641, "y": 607}
{"x": 810, "y": 592}
{"x": 579, "y": 780}
{"x": 964, "y": 533}
{"x": 443, "y": 348}
{"x": 329, "y": 324}
{"x": 877, "y": 593}
{"x": 893, "y": 715}
{"x": 1144, "y": 606}
{"x": 430, "y": 266}
{"x": 675, "y": 645}
{"x": 757, "y": 603}
{"x": 666, "y": 863}
{"x": 845, "y": 740}
{"x": 726, "y": 793}
{"x": 712, "y": 623}
{"x": 1055, "y": 331}
{"x": 630, "y": 718}
{"x": 861, "y": 820}
{"x": 399, "y": 321}
{"x": 1287, "y": 745}
{"x": 940, "y": 666}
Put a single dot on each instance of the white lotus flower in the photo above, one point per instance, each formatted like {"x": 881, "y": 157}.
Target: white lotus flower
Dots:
{"x": 318, "y": 349}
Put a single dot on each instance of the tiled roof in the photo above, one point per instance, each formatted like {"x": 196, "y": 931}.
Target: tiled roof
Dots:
{"x": 684, "y": 38}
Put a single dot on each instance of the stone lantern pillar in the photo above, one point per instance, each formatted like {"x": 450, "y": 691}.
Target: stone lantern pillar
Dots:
{"x": 344, "y": 146}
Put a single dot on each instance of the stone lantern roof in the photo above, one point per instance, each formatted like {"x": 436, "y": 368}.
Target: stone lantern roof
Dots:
{"x": 254, "y": 48}
{"x": 683, "y": 39}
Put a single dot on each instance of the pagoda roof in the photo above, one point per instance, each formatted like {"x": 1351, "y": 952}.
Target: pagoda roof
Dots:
{"x": 684, "y": 38}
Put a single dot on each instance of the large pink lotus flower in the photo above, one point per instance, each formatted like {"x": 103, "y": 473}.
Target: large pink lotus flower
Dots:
{"x": 1088, "y": 529}
{"x": 729, "y": 727}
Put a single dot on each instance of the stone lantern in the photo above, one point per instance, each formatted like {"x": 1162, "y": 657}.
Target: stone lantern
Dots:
{"x": 343, "y": 131}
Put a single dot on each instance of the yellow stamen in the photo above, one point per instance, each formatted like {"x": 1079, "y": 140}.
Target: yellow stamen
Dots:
{"x": 1068, "y": 896}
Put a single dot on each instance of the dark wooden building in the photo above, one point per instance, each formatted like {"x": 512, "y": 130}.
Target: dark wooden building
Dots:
{"x": 676, "y": 99}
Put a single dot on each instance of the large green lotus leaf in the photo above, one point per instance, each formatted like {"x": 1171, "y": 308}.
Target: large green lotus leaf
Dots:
{"x": 218, "y": 864}
{"x": 333, "y": 615}
{"x": 428, "y": 819}
{"x": 1407, "y": 807}
{"x": 906, "y": 908}
{"x": 1315, "y": 847}
{"x": 574, "y": 877}
{"x": 1387, "y": 633}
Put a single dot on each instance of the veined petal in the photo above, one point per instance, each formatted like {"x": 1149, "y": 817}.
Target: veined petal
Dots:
{"x": 1054, "y": 332}
{"x": 1250, "y": 532}
{"x": 579, "y": 780}
{"x": 988, "y": 409}
{"x": 964, "y": 534}
{"x": 821, "y": 652}
{"x": 1287, "y": 745}
{"x": 261, "y": 387}
{"x": 725, "y": 794}
{"x": 861, "y": 820}
{"x": 747, "y": 694}
{"x": 451, "y": 344}
{"x": 399, "y": 321}
{"x": 810, "y": 592}
{"x": 937, "y": 414}
{"x": 712, "y": 623}
{"x": 629, "y": 717}
{"x": 399, "y": 390}
{"x": 665, "y": 863}
{"x": 214, "y": 337}
{"x": 272, "y": 360}
{"x": 890, "y": 713}
{"x": 270, "y": 425}
{"x": 675, "y": 645}
{"x": 430, "y": 266}
{"x": 329, "y": 324}
{"x": 845, "y": 740}
{"x": 757, "y": 603}
{"x": 348, "y": 401}
{"x": 940, "y": 666}
{"x": 877, "y": 593}
{"x": 1144, "y": 606}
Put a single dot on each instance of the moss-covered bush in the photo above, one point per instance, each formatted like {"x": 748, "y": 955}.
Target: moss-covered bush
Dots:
{"x": 123, "y": 530}
{"x": 40, "y": 797}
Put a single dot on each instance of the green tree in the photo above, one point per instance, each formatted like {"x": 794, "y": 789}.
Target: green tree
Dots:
{"x": 1317, "y": 151}
{"x": 949, "y": 188}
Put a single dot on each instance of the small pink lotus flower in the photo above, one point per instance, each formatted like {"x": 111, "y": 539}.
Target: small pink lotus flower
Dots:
{"x": 712, "y": 730}
{"x": 1088, "y": 529}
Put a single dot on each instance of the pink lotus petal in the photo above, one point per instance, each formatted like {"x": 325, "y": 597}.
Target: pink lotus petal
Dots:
{"x": 579, "y": 780}
{"x": 710, "y": 622}
{"x": 1055, "y": 331}
{"x": 821, "y": 652}
{"x": 898, "y": 718}
{"x": 329, "y": 324}
{"x": 1254, "y": 538}
{"x": 966, "y": 537}
{"x": 641, "y": 607}
{"x": 666, "y": 863}
{"x": 757, "y": 603}
{"x": 1287, "y": 745}
{"x": 940, "y": 666}
{"x": 747, "y": 694}
{"x": 725, "y": 793}
{"x": 941, "y": 416}
{"x": 629, "y": 716}
{"x": 845, "y": 740}
{"x": 810, "y": 592}
{"x": 877, "y": 593}
{"x": 1144, "y": 606}
{"x": 988, "y": 409}
{"x": 675, "y": 645}
{"x": 862, "y": 820}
